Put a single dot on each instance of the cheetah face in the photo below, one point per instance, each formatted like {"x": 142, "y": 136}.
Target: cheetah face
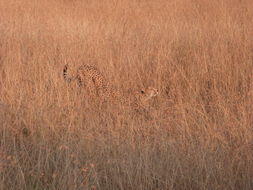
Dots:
{"x": 148, "y": 93}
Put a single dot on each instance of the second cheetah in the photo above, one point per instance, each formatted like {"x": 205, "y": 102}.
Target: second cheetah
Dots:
{"x": 89, "y": 77}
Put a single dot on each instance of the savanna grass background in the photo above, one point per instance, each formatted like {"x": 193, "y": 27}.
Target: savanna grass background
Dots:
{"x": 198, "y": 132}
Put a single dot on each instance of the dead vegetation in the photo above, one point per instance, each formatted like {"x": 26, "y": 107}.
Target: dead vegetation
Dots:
{"x": 198, "y": 131}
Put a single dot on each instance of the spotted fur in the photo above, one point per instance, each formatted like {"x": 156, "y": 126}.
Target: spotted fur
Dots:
{"x": 88, "y": 77}
{"x": 92, "y": 80}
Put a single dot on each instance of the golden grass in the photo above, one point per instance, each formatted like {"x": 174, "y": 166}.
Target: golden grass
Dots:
{"x": 198, "y": 134}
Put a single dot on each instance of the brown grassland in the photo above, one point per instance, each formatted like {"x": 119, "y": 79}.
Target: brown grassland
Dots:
{"x": 197, "y": 134}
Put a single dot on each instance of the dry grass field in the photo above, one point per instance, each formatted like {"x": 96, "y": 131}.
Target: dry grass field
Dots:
{"x": 197, "y": 134}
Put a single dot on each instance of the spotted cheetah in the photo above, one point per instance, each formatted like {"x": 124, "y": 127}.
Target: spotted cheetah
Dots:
{"x": 90, "y": 78}
{"x": 95, "y": 83}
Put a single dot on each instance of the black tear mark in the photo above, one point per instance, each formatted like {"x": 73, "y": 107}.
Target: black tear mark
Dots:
{"x": 79, "y": 81}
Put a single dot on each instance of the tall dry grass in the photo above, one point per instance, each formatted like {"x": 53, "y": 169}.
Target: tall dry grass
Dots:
{"x": 198, "y": 134}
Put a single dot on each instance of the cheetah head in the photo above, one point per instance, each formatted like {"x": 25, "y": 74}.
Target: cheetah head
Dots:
{"x": 148, "y": 93}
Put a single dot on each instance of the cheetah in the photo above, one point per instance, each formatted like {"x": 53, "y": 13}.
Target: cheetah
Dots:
{"x": 90, "y": 78}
